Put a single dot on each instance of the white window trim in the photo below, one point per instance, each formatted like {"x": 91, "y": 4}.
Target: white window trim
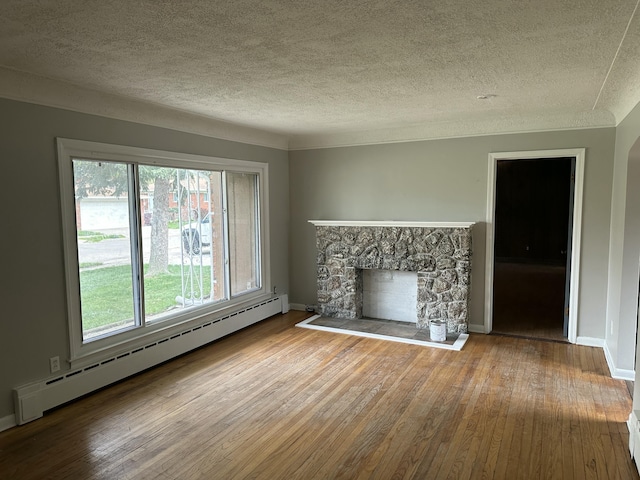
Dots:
{"x": 68, "y": 149}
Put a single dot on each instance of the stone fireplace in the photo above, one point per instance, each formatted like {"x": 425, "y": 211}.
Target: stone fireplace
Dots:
{"x": 440, "y": 254}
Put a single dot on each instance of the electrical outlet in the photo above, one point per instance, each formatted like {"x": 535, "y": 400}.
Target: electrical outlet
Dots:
{"x": 54, "y": 363}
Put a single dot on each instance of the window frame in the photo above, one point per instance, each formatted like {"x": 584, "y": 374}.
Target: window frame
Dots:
{"x": 81, "y": 352}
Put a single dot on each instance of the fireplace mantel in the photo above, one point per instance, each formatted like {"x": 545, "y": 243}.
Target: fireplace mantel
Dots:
{"x": 440, "y": 253}
{"x": 389, "y": 223}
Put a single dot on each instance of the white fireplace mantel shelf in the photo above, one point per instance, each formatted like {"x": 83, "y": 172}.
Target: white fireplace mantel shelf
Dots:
{"x": 389, "y": 223}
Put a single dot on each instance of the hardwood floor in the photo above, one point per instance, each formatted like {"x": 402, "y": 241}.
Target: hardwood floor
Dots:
{"x": 278, "y": 402}
{"x": 529, "y": 300}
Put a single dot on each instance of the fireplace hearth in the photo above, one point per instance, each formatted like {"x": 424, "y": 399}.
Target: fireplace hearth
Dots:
{"x": 440, "y": 254}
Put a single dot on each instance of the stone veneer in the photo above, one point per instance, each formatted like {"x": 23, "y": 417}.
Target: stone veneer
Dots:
{"x": 439, "y": 253}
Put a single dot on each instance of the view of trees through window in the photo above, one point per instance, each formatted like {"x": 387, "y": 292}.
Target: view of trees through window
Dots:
{"x": 154, "y": 241}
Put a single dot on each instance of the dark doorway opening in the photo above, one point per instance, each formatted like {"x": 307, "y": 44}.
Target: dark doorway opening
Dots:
{"x": 533, "y": 224}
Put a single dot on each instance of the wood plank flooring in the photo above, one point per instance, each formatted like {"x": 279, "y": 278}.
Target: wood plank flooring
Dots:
{"x": 278, "y": 402}
{"x": 529, "y": 300}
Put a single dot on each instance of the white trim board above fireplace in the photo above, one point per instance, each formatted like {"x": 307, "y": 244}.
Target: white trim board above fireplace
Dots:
{"x": 388, "y": 223}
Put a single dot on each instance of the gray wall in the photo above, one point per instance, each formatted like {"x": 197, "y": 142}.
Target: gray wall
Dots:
{"x": 622, "y": 309}
{"x": 443, "y": 180}
{"x": 33, "y": 322}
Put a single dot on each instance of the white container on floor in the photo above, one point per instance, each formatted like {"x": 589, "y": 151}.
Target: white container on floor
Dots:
{"x": 438, "y": 330}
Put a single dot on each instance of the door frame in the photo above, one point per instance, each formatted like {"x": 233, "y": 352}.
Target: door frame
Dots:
{"x": 579, "y": 155}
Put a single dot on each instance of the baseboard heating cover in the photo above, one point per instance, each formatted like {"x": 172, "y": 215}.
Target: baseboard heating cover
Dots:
{"x": 32, "y": 400}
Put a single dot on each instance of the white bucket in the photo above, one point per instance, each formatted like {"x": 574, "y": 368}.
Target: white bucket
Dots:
{"x": 438, "y": 330}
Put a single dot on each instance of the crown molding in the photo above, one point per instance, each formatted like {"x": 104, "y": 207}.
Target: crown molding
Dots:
{"x": 26, "y": 87}
{"x": 500, "y": 125}
{"x": 29, "y": 88}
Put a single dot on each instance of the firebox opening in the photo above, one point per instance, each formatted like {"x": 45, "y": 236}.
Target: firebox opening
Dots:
{"x": 390, "y": 295}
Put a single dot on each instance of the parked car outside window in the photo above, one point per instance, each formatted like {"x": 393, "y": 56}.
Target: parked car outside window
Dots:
{"x": 197, "y": 235}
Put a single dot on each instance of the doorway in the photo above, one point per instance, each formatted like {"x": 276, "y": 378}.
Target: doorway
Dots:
{"x": 532, "y": 240}
{"x": 533, "y": 243}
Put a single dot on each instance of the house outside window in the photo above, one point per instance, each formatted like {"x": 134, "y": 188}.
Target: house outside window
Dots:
{"x": 154, "y": 239}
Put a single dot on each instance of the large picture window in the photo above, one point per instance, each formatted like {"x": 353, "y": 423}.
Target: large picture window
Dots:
{"x": 156, "y": 238}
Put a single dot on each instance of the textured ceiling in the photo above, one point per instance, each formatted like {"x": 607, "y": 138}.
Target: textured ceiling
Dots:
{"x": 336, "y": 71}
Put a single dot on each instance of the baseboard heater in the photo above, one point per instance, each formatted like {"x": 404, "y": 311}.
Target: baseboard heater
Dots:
{"x": 32, "y": 400}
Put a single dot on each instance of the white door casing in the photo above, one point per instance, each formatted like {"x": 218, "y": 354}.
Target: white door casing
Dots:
{"x": 579, "y": 155}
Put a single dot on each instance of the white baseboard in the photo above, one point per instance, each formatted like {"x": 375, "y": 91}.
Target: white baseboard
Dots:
{"x": 634, "y": 437}
{"x": 590, "y": 342}
{"x": 622, "y": 374}
{"x": 473, "y": 328}
{"x": 7, "y": 422}
{"x": 631, "y": 421}
{"x": 618, "y": 373}
{"x": 301, "y": 307}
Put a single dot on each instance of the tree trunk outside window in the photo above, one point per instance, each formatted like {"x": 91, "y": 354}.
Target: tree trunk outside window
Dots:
{"x": 159, "y": 254}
